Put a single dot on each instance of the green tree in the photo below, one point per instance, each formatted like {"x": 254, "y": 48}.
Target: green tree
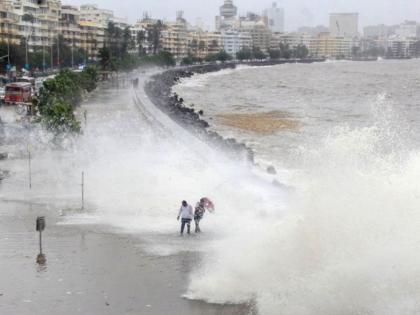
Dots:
{"x": 355, "y": 51}
{"x": 59, "y": 118}
{"x": 165, "y": 58}
{"x": 153, "y": 36}
{"x": 223, "y": 56}
{"x": 258, "y": 53}
{"x": 244, "y": 54}
{"x": 301, "y": 51}
{"x": 201, "y": 46}
{"x": 89, "y": 78}
{"x": 210, "y": 57}
{"x": 106, "y": 61}
{"x": 127, "y": 42}
{"x": 141, "y": 37}
{"x": 193, "y": 46}
{"x": 17, "y": 55}
{"x": 59, "y": 97}
{"x": 286, "y": 52}
{"x": 274, "y": 53}
{"x": 64, "y": 87}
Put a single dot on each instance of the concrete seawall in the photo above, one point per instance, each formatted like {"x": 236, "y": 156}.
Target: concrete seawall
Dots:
{"x": 159, "y": 90}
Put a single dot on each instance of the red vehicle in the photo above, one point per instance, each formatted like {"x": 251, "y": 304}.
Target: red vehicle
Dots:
{"x": 18, "y": 92}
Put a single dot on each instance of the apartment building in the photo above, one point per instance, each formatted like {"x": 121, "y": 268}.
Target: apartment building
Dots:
{"x": 70, "y": 27}
{"x": 174, "y": 38}
{"x": 234, "y": 41}
{"x": 290, "y": 39}
{"x": 330, "y": 46}
{"x": 9, "y": 23}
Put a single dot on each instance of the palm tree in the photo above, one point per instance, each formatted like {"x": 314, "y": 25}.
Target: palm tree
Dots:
{"x": 141, "y": 36}
{"x": 153, "y": 36}
{"x": 201, "y": 47}
{"x": 27, "y": 17}
{"x": 193, "y": 46}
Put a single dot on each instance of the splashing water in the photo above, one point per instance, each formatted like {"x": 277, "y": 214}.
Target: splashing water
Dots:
{"x": 350, "y": 240}
{"x": 344, "y": 242}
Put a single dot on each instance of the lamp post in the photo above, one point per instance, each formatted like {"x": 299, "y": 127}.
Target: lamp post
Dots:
{"x": 58, "y": 51}
{"x": 8, "y": 50}
{"x": 43, "y": 56}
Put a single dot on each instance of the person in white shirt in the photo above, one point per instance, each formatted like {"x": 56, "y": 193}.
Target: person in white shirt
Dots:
{"x": 186, "y": 214}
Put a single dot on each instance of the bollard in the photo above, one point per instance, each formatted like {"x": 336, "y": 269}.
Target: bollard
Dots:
{"x": 40, "y": 226}
{"x": 85, "y": 116}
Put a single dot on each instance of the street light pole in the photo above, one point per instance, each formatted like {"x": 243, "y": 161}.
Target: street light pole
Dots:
{"x": 58, "y": 51}
{"x": 26, "y": 51}
{"x": 8, "y": 50}
{"x": 72, "y": 56}
{"x": 52, "y": 56}
{"x": 43, "y": 56}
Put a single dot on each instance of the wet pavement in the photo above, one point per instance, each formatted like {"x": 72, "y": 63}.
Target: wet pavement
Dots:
{"x": 89, "y": 269}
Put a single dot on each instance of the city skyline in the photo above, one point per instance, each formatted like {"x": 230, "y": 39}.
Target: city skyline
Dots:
{"x": 297, "y": 13}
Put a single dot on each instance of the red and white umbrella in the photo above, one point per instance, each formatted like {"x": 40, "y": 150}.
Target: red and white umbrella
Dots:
{"x": 208, "y": 204}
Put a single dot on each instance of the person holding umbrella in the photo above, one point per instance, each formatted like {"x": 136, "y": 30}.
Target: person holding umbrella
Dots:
{"x": 201, "y": 207}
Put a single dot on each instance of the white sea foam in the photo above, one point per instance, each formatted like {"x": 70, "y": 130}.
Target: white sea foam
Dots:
{"x": 351, "y": 246}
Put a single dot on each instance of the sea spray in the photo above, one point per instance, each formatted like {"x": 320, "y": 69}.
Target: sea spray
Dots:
{"x": 348, "y": 244}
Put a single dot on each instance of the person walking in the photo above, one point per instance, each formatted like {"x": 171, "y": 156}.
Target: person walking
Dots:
{"x": 186, "y": 215}
{"x": 198, "y": 215}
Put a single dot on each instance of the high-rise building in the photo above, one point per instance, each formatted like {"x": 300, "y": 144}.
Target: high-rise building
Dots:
{"x": 291, "y": 39}
{"x": 331, "y": 46}
{"x": 9, "y": 23}
{"x": 399, "y": 47}
{"x": 234, "y": 41}
{"x": 344, "y": 24}
{"x": 376, "y": 31}
{"x": 313, "y": 31}
{"x": 274, "y": 18}
{"x": 69, "y": 25}
{"x": 408, "y": 29}
{"x": 91, "y": 13}
{"x": 226, "y": 19}
{"x": 175, "y": 37}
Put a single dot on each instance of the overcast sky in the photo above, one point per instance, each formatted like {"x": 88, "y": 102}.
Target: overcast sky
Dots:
{"x": 298, "y": 12}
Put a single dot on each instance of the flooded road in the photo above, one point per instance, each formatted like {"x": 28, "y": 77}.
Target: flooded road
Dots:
{"x": 115, "y": 256}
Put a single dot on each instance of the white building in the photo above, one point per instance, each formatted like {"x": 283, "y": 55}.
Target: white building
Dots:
{"x": 331, "y": 46}
{"x": 408, "y": 29}
{"x": 91, "y": 13}
{"x": 234, "y": 41}
{"x": 376, "y": 31}
{"x": 291, "y": 39}
{"x": 274, "y": 17}
{"x": 401, "y": 47}
{"x": 227, "y": 17}
{"x": 344, "y": 24}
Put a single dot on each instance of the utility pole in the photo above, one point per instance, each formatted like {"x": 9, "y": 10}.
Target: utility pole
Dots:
{"x": 72, "y": 57}
{"x": 8, "y": 50}
{"x": 58, "y": 51}
{"x": 83, "y": 190}
{"x": 26, "y": 52}
{"x": 52, "y": 56}
{"x": 29, "y": 167}
{"x": 43, "y": 56}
